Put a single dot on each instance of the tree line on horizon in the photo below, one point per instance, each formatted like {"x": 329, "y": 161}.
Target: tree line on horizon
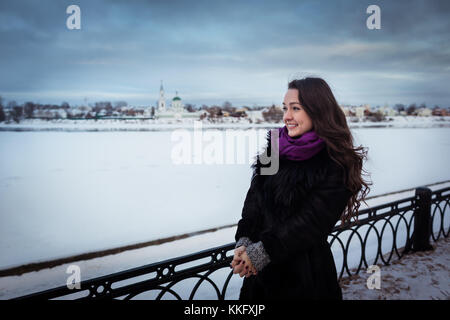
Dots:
{"x": 16, "y": 112}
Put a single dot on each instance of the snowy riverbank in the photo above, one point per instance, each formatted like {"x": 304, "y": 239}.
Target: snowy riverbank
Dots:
{"x": 227, "y": 123}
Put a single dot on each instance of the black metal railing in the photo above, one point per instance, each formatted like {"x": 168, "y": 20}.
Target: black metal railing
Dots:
{"x": 406, "y": 225}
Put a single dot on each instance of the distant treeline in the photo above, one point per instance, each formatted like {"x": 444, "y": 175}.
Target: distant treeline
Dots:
{"x": 13, "y": 111}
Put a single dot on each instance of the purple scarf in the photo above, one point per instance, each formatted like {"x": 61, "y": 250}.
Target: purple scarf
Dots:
{"x": 299, "y": 148}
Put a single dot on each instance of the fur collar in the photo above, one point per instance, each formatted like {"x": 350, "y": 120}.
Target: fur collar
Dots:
{"x": 284, "y": 191}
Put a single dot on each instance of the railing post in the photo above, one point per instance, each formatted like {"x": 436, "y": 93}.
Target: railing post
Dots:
{"x": 422, "y": 221}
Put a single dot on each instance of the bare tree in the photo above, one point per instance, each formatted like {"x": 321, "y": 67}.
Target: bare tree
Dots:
{"x": 120, "y": 104}
{"x": 12, "y": 104}
{"x": 274, "y": 114}
{"x": 102, "y": 105}
{"x": 377, "y": 116}
{"x": 190, "y": 107}
{"x": 399, "y": 107}
{"x": 17, "y": 113}
{"x": 227, "y": 106}
{"x": 2, "y": 114}
{"x": 29, "y": 109}
{"x": 411, "y": 109}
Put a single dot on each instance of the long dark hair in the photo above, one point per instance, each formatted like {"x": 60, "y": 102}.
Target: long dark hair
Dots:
{"x": 330, "y": 124}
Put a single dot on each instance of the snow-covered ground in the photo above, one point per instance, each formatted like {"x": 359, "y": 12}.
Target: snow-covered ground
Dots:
{"x": 68, "y": 193}
{"x": 14, "y": 286}
{"x": 418, "y": 276}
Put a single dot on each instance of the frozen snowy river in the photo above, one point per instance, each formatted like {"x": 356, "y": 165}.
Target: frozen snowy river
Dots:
{"x": 67, "y": 193}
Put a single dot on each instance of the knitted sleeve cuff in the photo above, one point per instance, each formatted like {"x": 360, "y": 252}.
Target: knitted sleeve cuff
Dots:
{"x": 258, "y": 255}
{"x": 244, "y": 241}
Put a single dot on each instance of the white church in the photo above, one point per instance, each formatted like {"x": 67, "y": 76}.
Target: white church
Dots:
{"x": 176, "y": 109}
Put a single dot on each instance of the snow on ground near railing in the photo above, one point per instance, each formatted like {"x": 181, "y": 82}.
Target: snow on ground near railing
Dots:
{"x": 14, "y": 286}
{"x": 417, "y": 276}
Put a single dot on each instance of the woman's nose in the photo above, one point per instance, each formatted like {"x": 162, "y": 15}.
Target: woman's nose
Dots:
{"x": 287, "y": 115}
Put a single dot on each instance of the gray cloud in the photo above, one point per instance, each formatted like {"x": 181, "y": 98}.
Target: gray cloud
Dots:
{"x": 242, "y": 51}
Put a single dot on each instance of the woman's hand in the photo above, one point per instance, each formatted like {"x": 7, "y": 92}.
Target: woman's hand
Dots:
{"x": 237, "y": 256}
{"x": 243, "y": 265}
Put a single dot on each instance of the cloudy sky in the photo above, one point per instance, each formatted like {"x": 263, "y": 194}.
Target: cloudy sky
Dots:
{"x": 243, "y": 51}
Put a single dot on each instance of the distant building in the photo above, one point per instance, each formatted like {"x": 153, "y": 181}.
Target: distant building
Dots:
{"x": 176, "y": 109}
{"x": 388, "y": 111}
{"x": 424, "y": 112}
{"x": 346, "y": 110}
{"x": 177, "y": 105}
{"x": 440, "y": 112}
{"x": 243, "y": 109}
{"x": 359, "y": 111}
{"x": 162, "y": 101}
{"x": 84, "y": 108}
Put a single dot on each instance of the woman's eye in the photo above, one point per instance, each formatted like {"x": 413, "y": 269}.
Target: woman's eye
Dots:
{"x": 296, "y": 108}
{"x": 284, "y": 108}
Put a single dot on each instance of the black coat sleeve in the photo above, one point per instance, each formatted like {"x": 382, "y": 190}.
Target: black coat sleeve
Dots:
{"x": 319, "y": 212}
{"x": 247, "y": 225}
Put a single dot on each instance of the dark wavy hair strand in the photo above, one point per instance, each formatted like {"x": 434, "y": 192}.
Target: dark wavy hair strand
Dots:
{"x": 330, "y": 124}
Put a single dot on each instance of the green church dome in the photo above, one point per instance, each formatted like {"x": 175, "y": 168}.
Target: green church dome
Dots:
{"x": 176, "y": 99}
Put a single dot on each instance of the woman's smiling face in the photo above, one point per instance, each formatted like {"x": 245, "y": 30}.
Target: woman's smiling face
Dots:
{"x": 295, "y": 117}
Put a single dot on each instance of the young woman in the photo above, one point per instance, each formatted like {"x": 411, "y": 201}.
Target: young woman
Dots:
{"x": 281, "y": 240}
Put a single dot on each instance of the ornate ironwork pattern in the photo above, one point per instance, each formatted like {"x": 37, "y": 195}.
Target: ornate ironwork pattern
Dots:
{"x": 383, "y": 223}
{"x": 440, "y": 214}
{"x": 391, "y": 223}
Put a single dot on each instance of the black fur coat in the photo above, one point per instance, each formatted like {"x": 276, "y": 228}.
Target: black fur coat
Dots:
{"x": 292, "y": 212}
